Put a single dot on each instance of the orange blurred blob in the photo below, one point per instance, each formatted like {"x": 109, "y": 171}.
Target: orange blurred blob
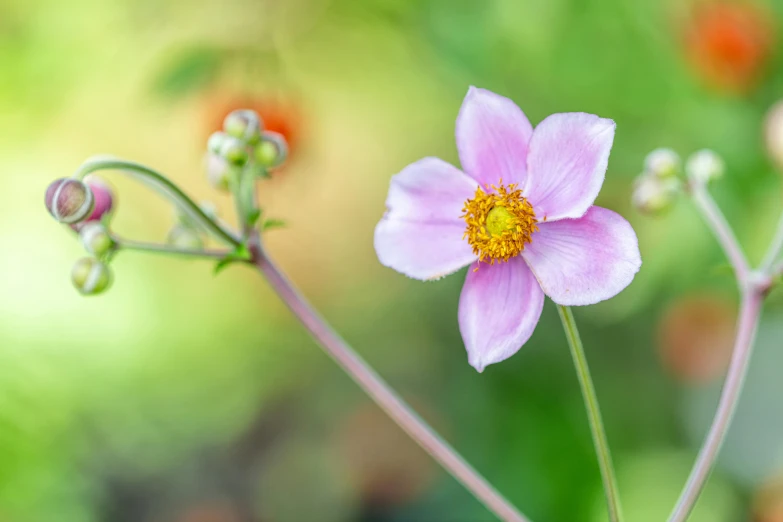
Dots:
{"x": 768, "y": 502}
{"x": 696, "y": 337}
{"x": 386, "y": 466}
{"x": 217, "y": 511}
{"x": 280, "y": 113}
{"x": 729, "y": 43}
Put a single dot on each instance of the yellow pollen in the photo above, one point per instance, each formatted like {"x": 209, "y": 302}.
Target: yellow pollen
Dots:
{"x": 499, "y": 223}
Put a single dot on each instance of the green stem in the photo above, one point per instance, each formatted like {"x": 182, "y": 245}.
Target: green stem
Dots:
{"x": 125, "y": 244}
{"x": 169, "y": 189}
{"x": 593, "y": 414}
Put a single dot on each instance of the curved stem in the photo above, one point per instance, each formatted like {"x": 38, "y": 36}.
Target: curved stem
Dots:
{"x": 775, "y": 248}
{"x": 593, "y": 414}
{"x": 381, "y": 393}
{"x": 750, "y": 310}
{"x": 721, "y": 229}
{"x": 126, "y": 244}
{"x": 169, "y": 188}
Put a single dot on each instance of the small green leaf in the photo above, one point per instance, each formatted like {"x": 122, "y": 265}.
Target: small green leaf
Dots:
{"x": 239, "y": 255}
{"x": 187, "y": 71}
{"x": 253, "y": 217}
{"x": 272, "y": 223}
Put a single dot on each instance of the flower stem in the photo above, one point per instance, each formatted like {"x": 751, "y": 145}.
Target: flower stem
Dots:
{"x": 381, "y": 393}
{"x": 775, "y": 248}
{"x": 164, "y": 185}
{"x": 126, "y": 244}
{"x": 593, "y": 414}
{"x": 721, "y": 230}
{"x": 750, "y": 310}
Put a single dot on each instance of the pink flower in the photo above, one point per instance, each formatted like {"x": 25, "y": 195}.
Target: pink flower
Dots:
{"x": 521, "y": 214}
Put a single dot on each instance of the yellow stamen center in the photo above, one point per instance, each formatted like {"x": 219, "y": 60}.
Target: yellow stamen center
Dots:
{"x": 499, "y": 223}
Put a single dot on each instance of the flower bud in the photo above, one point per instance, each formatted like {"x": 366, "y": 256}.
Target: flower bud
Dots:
{"x": 96, "y": 238}
{"x": 215, "y": 142}
{"x": 704, "y": 166}
{"x": 182, "y": 236}
{"x": 219, "y": 172}
{"x": 90, "y": 276}
{"x": 69, "y": 200}
{"x": 104, "y": 199}
{"x": 663, "y": 163}
{"x": 653, "y": 195}
{"x": 773, "y": 133}
{"x": 272, "y": 151}
{"x": 234, "y": 151}
{"x": 243, "y": 124}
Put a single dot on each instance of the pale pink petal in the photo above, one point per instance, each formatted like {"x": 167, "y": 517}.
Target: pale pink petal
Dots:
{"x": 492, "y": 138}
{"x": 498, "y": 310}
{"x": 586, "y": 260}
{"x": 566, "y": 165}
{"x": 421, "y": 233}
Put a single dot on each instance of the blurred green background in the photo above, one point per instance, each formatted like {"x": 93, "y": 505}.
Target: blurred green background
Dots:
{"x": 179, "y": 396}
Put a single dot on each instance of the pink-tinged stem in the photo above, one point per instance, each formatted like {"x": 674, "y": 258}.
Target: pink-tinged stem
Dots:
{"x": 750, "y": 311}
{"x": 721, "y": 229}
{"x": 775, "y": 249}
{"x": 382, "y": 394}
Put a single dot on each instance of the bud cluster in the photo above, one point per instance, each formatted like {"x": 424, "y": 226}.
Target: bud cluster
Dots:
{"x": 237, "y": 157}
{"x": 657, "y": 188}
{"x": 243, "y": 144}
{"x": 86, "y": 207}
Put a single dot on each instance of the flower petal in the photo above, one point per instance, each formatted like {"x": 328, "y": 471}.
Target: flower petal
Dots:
{"x": 492, "y": 138}
{"x": 421, "y": 233}
{"x": 498, "y": 310}
{"x": 586, "y": 260}
{"x": 567, "y": 162}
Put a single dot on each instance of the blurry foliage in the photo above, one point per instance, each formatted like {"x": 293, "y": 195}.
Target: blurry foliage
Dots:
{"x": 188, "y": 71}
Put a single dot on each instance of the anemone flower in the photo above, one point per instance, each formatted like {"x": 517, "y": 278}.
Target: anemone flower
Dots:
{"x": 520, "y": 213}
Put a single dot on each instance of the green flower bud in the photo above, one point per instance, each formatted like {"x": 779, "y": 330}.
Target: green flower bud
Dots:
{"x": 243, "y": 124}
{"x": 704, "y": 166}
{"x": 272, "y": 151}
{"x": 90, "y": 276}
{"x": 653, "y": 195}
{"x": 185, "y": 237}
{"x": 234, "y": 151}
{"x": 69, "y": 200}
{"x": 96, "y": 238}
{"x": 663, "y": 163}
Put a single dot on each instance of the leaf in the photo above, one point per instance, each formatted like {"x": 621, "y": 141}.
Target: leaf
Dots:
{"x": 272, "y": 223}
{"x": 253, "y": 217}
{"x": 239, "y": 255}
{"x": 187, "y": 71}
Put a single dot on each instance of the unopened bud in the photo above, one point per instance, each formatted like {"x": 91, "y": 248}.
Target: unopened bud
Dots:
{"x": 219, "y": 171}
{"x": 272, "y": 151}
{"x": 69, "y": 200}
{"x": 653, "y": 195}
{"x": 704, "y": 166}
{"x": 90, "y": 276}
{"x": 243, "y": 124}
{"x": 104, "y": 202}
{"x": 773, "y": 133}
{"x": 182, "y": 236}
{"x": 215, "y": 142}
{"x": 96, "y": 238}
{"x": 234, "y": 151}
{"x": 663, "y": 163}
